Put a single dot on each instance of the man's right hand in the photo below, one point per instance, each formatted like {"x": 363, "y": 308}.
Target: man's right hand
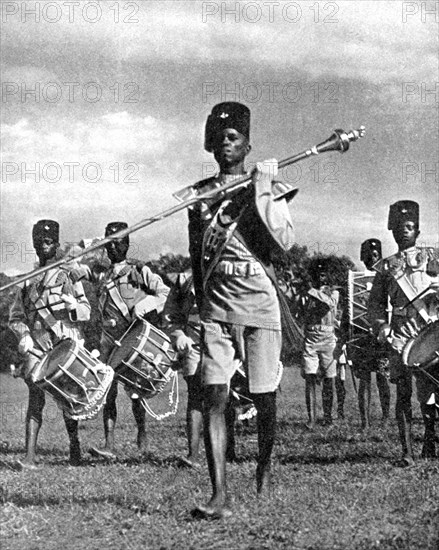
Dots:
{"x": 384, "y": 333}
{"x": 184, "y": 343}
{"x": 26, "y": 344}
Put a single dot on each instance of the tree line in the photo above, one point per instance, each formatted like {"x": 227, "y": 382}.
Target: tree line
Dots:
{"x": 292, "y": 269}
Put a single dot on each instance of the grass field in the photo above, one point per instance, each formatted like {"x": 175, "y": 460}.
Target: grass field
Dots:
{"x": 333, "y": 489}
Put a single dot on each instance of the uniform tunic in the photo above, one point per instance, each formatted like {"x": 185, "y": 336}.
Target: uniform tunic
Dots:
{"x": 231, "y": 243}
{"x": 38, "y": 311}
{"x": 122, "y": 287}
{"x": 320, "y": 339}
{"x": 419, "y": 267}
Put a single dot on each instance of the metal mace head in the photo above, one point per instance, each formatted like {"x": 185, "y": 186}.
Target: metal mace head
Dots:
{"x": 340, "y": 140}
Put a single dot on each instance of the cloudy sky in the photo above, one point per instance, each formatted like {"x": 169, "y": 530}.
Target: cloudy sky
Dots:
{"x": 104, "y": 105}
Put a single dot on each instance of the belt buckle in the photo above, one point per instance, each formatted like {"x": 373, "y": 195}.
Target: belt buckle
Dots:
{"x": 240, "y": 270}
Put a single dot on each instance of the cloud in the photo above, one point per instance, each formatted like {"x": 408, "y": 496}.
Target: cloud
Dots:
{"x": 118, "y": 136}
{"x": 368, "y": 40}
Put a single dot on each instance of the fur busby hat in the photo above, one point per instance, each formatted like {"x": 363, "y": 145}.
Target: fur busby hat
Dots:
{"x": 114, "y": 227}
{"x": 403, "y": 210}
{"x": 368, "y": 247}
{"x": 45, "y": 229}
{"x": 229, "y": 114}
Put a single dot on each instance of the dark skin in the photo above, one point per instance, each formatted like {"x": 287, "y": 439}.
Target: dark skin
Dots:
{"x": 117, "y": 250}
{"x": 365, "y": 385}
{"x": 230, "y": 148}
{"x": 405, "y": 235}
{"x": 321, "y": 281}
{"x": 46, "y": 250}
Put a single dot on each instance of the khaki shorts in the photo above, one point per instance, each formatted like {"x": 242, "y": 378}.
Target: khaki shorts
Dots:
{"x": 189, "y": 362}
{"x": 318, "y": 355}
{"x": 225, "y": 344}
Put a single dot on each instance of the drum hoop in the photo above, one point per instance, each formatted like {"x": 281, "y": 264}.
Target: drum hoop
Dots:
{"x": 409, "y": 345}
{"x": 406, "y": 351}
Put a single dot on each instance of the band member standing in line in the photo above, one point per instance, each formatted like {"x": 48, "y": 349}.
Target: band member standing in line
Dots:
{"x": 319, "y": 360}
{"x": 46, "y": 309}
{"x": 128, "y": 290}
{"x": 182, "y": 322}
{"x": 372, "y": 357}
{"x": 231, "y": 240}
{"x": 402, "y": 278}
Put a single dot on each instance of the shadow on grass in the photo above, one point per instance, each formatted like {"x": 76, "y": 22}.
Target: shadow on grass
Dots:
{"x": 350, "y": 458}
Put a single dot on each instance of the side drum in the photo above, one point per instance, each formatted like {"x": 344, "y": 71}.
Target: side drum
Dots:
{"x": 142, "y": 360}
{"x": 77, "y": 381}
{"x": 423, "y": 350}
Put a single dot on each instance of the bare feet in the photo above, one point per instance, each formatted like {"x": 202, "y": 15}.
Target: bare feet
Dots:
{"x": 406, "y": 461}
{"x": 105, "y": 452}
{"x": 216, "y": 508}
{"x": 28, "y": 464}
{"x": 190, "y": 462}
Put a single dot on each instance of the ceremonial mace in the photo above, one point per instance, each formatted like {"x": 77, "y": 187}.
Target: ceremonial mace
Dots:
{"x": 338, "y": 141}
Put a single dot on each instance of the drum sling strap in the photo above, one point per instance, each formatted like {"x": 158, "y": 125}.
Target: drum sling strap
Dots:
{"x": 410, "y": 293}
{"x": 114, "y": 293}
{"x": 43, "y": 310}
{"x": 291, "y": 329}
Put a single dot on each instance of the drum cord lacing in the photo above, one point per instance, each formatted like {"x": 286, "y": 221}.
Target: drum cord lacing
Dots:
{"x": 174, "y": 404}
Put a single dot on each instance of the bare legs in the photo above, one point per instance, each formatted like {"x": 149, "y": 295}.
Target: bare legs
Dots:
{"x": 194, "y": 417}
{"x": 215, "y": 442}
{"x": 34, "y": 421}
{"x": 110, "y": 418}
{"x": 403, "y": 411}
{"x": 311, "y": 400}
{"x": 265, "y": 404}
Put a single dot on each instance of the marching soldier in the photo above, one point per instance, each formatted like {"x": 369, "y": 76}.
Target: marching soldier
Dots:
{"x": 126, "y": 291}
{"x": 231, "y": 239}
{"x": 401, "y": 278}
{"x": 46, "y": 309}
{"x": 372, "y": 357}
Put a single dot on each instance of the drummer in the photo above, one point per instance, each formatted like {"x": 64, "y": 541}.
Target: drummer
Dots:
{"x": 402, "y": 277}
{"x": 46, "y": 309}
{"x": 128, "y": 290}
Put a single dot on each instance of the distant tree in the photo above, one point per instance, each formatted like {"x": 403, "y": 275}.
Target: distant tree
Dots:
{"x": 8, "y": 348}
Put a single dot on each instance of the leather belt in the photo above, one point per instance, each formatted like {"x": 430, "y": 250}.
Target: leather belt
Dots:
{"x": 239, "y": 269}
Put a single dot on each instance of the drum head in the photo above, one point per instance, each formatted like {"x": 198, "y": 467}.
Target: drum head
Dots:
{"x": 55, "y": 358}
{"x": 424, "y": 346}
{"x": 128, "y": 341}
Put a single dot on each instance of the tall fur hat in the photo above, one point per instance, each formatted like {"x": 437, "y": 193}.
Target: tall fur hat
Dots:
{"x": 229, "y": 114}
{"x": 403, "y": 210}
{"x": 45, "y": 229}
